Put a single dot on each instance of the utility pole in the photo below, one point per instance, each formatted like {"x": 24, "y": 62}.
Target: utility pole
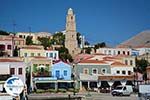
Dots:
{"x": 13, "y": 35}
{"x": 14, "y": 26}
{"x": 30, "y": 31}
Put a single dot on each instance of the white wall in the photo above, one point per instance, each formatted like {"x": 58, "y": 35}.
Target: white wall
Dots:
{"x": 15, "y": 65}
{"x": 55, "y": 55}
{"x": 126, "y": 69}
{"x": 4, "y": 69}
{"x": 113, "y": 51}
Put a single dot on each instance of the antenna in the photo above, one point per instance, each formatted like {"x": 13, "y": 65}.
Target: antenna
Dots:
{"x": 14, "y": 26}
{"x": 30, "y": 30}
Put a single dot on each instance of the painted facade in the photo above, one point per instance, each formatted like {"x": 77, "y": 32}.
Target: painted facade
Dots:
{"x": 52, "y": 54}
{"x": 13, "y": 67}
{"x": 40, "y": 67}
{"x": 114, "y": 51}
{"x": 62, "y": 71}
{"x": 31, "y": 51}
{"x": 7, "y": 43}
{"x": 118, "y": 68}
{"x": 34, "y": 36}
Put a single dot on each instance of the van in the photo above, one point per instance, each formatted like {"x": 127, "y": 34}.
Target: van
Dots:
{"x": 122, "y": 90}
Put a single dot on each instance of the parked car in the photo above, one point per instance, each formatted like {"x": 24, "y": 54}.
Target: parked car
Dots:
{"x": 122, "y": 90}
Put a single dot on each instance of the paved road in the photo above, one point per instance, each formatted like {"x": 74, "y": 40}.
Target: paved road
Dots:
{"x": 87, "y": 96}
{"x": 110, "y": 97}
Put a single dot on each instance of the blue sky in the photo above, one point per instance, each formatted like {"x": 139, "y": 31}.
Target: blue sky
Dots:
{"x": 111, "y": 21}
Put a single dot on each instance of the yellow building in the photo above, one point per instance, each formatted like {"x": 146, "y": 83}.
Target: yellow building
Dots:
{"x": 31, "y": 51}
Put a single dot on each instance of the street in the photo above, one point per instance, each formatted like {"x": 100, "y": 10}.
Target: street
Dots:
{"x": 86, "y": 96}
{"x": 107, "y": 96}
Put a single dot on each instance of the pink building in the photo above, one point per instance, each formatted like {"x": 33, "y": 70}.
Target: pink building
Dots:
{"x": 7, "y": 43}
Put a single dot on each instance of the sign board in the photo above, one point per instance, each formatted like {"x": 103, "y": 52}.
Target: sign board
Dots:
{"x": 14, "y": 86}
{"x": 144, "y": 88}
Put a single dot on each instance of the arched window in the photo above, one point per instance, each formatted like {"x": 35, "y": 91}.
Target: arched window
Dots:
{"x": 129, "y": 72}
{"x": 123, "y": 72}
{"x": 94, "y": 71}
{"x": 85, "y": 71}
{"x": 104, "y": 70}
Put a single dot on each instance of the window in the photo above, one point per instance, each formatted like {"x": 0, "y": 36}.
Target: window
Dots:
{"x": 12, "y": 71}
{"x": 65, "y": 72}
{"x": 25, "y": 54}
{"x": 46, "y": 54}
{"x": 20, "y": 36}
{"x": 128, "y": 53}
{"x": 109, "y": 52}
{"x": 94, "y": 71}
{"x": 55, "y": 56}
{"x": 51, "y": 54}
{"x": 47, "y": 65}
{"x": 131, "y": 62}
{"x": 124, "y": 52}
{"x": 32, "y": 54}
{"x": 9, "y": 47}
{"x": 129, "y": 72}
{"x": 126, "y": 62}
{"x": 57, "y": 73}
{"x": 118, "y": 72}
{"x": 118, "y": 52}
{"x": 114, "y": 52}
{"x": 72, "y": 51}
{"x": 35, "y": 65}
{"x": 123, "y": 72}
{"x": 20, "y": 71}
{"x": 85, "y": 71}
{"x": 104, "y": 70}
{"x": 39, "y": 54}
{"x": 2, "y": 47}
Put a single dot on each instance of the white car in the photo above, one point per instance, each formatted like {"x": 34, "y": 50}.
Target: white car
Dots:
{"x": 122, "y": 90}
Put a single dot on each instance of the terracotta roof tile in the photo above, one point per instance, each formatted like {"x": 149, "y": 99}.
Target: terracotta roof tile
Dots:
{"x": 118, "y": 64}
{"x": 9, "y": 60}
{"x": 93, "y": 61}
{"x": 38, "y": 48}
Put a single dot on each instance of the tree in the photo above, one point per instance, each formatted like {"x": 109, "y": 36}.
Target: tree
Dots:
{"x": 87, "y": 43}
{"x": 29, "y": 40}
{"x": 46, "y": 42}
{"x": 88, "y": 50}
{"x": 15, "y": 52}
{"x": 3, "y": 32}
{"x": 100, "y": 45}
{"x": 1, "y": 53}
{"x": 141, "y": 67}
{"x": 58, "y": 38}
{"x": 64, "y": 54}
{"x": 141, "y": 64}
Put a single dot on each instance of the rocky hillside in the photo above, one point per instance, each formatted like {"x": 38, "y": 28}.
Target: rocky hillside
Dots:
{"x": 141, "y": 39}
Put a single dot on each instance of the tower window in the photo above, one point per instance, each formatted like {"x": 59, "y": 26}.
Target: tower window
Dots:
{"x": 71, "y": 17}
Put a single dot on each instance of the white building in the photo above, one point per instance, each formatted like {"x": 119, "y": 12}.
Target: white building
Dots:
{"x": 118, "y": 68}
{"x": 13, "y": 67}
{"x": 53, "y": 54}
{"x": 34, "y": 36}
{"x": 114, "y": 51}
